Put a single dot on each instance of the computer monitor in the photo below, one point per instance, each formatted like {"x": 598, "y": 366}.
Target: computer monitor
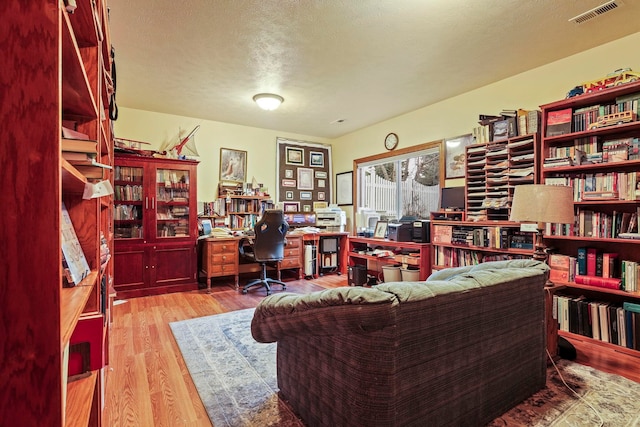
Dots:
{"x": 452, "y": 198}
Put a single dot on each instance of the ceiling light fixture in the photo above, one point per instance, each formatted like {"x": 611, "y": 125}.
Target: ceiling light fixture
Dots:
{"x": 268, "y": 101}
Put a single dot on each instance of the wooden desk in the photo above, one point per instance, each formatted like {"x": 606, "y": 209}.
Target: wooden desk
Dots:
{"x": 220, "y": 257}
{"x": 356, "y": 243}
{"x": 314, "y": 239}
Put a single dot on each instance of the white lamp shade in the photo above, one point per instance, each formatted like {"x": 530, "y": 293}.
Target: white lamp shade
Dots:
{"x": 268, "y": 101}
{"x": 542, "y": 203}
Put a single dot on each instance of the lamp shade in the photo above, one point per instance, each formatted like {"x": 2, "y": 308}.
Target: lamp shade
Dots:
{"x": 268, "y": 101}
{"x": 542, "y": 203}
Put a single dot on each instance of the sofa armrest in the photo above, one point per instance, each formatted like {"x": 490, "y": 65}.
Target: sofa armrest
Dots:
{"x": 338, "y": 311}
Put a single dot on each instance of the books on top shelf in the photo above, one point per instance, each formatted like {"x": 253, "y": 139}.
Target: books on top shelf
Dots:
{"x": 559, "y": 122}
{"x": 79, "y": 146}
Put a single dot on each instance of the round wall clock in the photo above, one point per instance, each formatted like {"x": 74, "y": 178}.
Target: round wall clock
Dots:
{"x": 391, "y": 141}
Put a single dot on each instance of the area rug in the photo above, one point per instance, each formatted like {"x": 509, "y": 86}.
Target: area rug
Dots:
{"x": 236, "y": 379}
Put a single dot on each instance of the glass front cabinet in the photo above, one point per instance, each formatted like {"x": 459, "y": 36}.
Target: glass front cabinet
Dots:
{"x": 155, "y": 225}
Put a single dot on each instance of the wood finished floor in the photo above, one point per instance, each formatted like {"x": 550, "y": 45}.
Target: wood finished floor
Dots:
{"x": 148, "y": 383}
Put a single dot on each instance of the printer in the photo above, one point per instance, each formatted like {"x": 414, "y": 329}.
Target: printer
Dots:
{"x": 333, "y": 219}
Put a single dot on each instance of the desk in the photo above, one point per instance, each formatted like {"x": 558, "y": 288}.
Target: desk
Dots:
{"x": 321, "y": 261}
{"x": 361, "y": 244}
{"x": 220, "y": 257}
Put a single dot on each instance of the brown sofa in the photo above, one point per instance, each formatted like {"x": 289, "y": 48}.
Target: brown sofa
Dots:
{"x": 460, "y": 348}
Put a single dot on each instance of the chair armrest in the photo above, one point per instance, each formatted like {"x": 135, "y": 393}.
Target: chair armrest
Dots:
{"x": 338, "y": 311}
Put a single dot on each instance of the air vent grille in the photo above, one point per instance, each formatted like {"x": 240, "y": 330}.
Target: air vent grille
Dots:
{"x": 596, "y": 11}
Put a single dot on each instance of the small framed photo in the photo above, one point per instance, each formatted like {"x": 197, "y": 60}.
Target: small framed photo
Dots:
{"x": 455, "y": 155}
{"x": 306, "y": 208}
{"x": 295, "y": 156}
{"x": 288, "y": 173}
{"x": 319, "y": 205}
{"x": 321, "y": 183}
{"x": 233, "y": 165}
{"x": 305, "y": 179}
{"x": 344, "y": 188}
{"x": 381, "y": 230}
{"x": 291, "y": 206}
{"x": 289, "y": 183}
{"x": 306, "y": 195}
{"x": 321, "y": 174}
{"x": 288, "y": 195}
{"x": 321, "y": 195}
{"x": 316, "y": 159}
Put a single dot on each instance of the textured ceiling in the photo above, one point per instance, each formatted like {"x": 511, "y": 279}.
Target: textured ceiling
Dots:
{"x": 363, "y": 61}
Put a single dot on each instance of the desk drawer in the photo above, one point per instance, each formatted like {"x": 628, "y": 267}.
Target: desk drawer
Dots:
{"x": 223, "y": 269}
{"x": 224, "y": 258}
{"x": 291, "y": 252}
{"x": 290, "y": 263}
{"x": 228, "y": 248}
{"x": 293, "y": 242}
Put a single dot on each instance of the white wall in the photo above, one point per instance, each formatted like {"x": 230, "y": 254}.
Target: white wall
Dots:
{"x": 449, "y": 118}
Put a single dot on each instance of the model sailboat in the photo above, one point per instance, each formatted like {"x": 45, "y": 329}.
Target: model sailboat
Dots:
{"x": 183, "y": 148}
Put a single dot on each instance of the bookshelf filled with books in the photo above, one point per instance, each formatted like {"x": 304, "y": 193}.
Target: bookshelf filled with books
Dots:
{"x": 460, "y": 243}
{"x": 155, "y": 225}
{"x": 237, "y": 212}
{"x": 492, "y": 172}
{"x": 58, "y": 230}
{"x": 591, "y": 142}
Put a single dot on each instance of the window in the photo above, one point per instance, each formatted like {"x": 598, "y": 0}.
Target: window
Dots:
{"x": 402, "y": 183}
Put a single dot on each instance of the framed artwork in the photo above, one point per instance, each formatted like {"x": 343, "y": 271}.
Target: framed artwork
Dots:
{"x": 344, "y": 188}
{"x": 295, "y": 156}
{"x": 381, "y": 230}
{"x": 291, "y": 206}
{"x": 305, "y": 179}
{"x": 288, "y": 195}
{"x": 455, "y": 156}
{"x": 321, "y": 174}
{"x": 288, "y": 182}
{"x": 316, "y": 159}
{"x": 321, "y": 183}
{"x": 306, "y": 208}
{"x": 319, "y": 205}
{"x": 321, "y": 195}
{"x": 306, "y": 195}
{"x": 288, "y": 173}
{"x": 233, "y": 165}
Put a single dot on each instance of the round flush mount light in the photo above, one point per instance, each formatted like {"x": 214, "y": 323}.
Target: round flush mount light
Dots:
{"x": 268, "y": 101}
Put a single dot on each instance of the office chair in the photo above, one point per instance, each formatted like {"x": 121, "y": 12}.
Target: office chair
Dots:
{"x": 268, "y": 247}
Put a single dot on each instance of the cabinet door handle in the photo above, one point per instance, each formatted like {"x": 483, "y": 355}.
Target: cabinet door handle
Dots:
{"x": 153, "y": 203}
{"x": 146, "y": 203}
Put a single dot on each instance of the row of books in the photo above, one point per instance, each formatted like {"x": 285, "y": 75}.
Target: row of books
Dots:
{"x": 458, "y": 257}
{"x": 607, "y": 322}
{"x": 590, "y": 150}
{"x": 177, "y": 195}
{"x": 590, "y": 223}
{"x": 128, "y": 173}
{"x": 494, "y": 237}
{"x": 508, "y": 124}
{"x": 216, "y": 208}
{"x": 128, "y": 231}
{"x": 127, "y": 192}
{"x": 171, "y": 177}
{"x": 601, "y": 186}
{"x": 595, "y": 268}
{"x": 127, "y": 213}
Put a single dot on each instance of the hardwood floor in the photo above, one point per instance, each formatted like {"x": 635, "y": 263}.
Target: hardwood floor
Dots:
{"x": 147, "y": 382}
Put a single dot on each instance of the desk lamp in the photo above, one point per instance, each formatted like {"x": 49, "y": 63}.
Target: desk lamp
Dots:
{"x": 542, "y": 204}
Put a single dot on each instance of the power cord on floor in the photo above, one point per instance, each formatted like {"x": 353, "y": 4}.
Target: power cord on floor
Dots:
{"x": 574, "y": 392}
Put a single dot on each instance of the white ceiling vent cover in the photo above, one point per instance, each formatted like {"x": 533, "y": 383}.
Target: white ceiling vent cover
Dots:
{"x": 596, "y": 11}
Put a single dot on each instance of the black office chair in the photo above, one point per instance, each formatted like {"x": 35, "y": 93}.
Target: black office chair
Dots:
{"x": 268, "y": 246}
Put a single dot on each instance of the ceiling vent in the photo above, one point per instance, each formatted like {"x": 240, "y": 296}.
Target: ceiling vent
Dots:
{"x": 596, "y": 11}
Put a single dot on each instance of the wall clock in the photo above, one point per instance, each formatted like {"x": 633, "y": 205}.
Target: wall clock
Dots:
{"x": 391, "y": 141}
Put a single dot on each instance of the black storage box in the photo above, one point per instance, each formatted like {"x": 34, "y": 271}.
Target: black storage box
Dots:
{"x": 357, "y": 275}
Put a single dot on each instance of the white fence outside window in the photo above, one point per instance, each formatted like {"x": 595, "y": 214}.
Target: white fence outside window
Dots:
{"x": 417, "y": 199}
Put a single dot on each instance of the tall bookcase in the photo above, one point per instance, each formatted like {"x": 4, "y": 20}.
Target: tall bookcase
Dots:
{"x": 155, "y": 225}
{"x": 576, "y": 154}
{"x": 56, "y": 68}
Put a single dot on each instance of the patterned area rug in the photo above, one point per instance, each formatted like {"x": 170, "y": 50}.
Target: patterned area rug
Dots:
{"x": 236, "y": 379}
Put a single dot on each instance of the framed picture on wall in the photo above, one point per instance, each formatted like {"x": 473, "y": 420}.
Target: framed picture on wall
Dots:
{"x": 455, "y": 156}
{"x": 233, "y": 165}
{"x": 381, "y": 230}
{"x": 288, "y": 173}
{"x": 321, "y": 174}
{"x": 316, "y": 159}
{"x": 306, "y": 195}
{"x": 291, "y": 206}
{"x": 319, "y": 205}
{"x": 305, "y": 179}
{"x": 344, "y": 188}
{"x": 295, "y": 156}
{"x": 306, "y": 208}
{"x": 288, "y": 195}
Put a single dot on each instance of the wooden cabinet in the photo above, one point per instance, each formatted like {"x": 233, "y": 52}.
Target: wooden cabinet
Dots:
{"x": 580, "y": 153}
{"x": 155, "y": 225}
{"x": 458, "y": 243}
{"x": 219, "y": 258}
{"x": 55, "y": 70}
{"x": 292, "y": 255}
